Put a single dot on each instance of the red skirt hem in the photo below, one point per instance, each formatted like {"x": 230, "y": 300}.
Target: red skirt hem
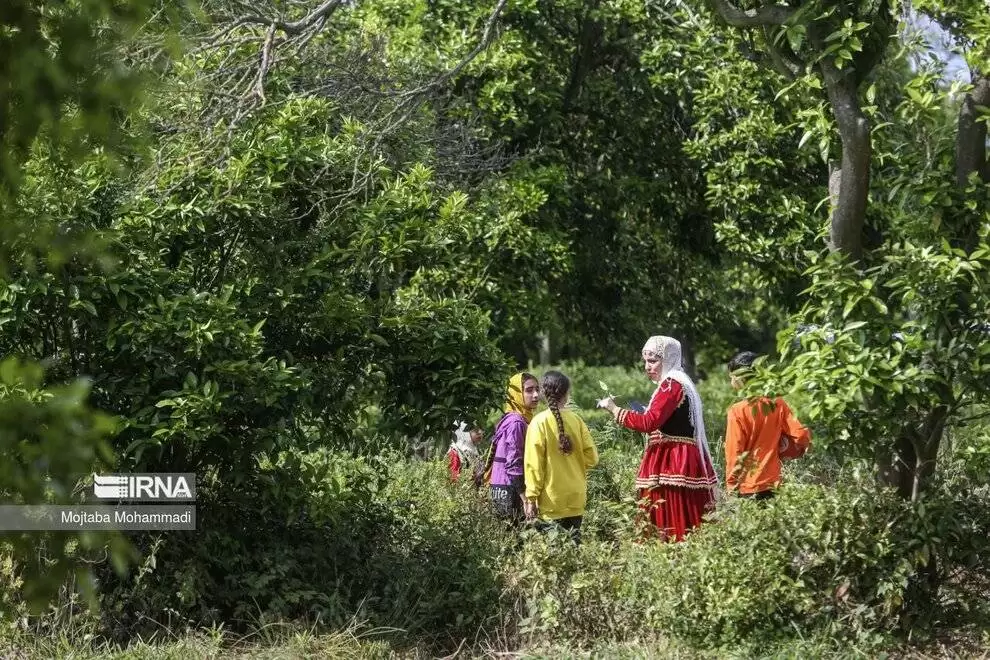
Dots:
{"x": 675, "y": 487}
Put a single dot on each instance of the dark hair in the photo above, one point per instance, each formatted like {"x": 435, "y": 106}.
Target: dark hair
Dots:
{"x": 555, "y": 388}
{"x": 742, "y": 360}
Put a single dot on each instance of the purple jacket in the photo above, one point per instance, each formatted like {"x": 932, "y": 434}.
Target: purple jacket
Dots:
{"x": 509, "y": 441}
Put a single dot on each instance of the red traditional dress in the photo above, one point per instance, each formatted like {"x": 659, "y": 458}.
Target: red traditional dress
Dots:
{"x": 676, "y": 479}
{"x": 454, "y": 462}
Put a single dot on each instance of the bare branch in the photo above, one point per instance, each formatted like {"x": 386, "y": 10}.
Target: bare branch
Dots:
{"x": 383, "y": 101}
{"x": 486, "y": 39}
{"x": 244, "y": 79}
{"x": 319, "y": 14}
{"x": 236, "y": 81}
{"x": 266, "y": 63}
{"x": 766, "y": 15}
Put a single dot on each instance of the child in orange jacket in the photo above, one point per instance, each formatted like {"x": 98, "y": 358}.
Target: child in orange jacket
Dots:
{"x": 759, "y": 433}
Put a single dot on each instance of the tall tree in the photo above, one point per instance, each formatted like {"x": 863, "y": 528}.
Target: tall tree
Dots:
{"x": 842, "y": 42}
{"x": 850, "y": 364}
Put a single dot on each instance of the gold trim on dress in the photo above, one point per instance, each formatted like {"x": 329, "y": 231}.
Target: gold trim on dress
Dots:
{"x": 677, "y": 480}
{"x": 657, "y": 437}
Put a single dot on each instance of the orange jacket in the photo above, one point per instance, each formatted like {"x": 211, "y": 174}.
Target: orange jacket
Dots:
{"x": 758, "y": 434}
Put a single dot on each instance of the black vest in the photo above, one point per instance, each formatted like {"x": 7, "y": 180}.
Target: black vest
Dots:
{"x": 679, "y": 423}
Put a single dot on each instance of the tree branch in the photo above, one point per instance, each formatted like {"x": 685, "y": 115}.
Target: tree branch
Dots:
{"x": 236, "y": 81}
{"x": 973, "y": 418}
{"x": 584, "y": 53}
{"x": 319, "y": 14}
{"x": 266, "y": 63}
{"x": 408, "y": 98}
{"x": 765, "y": 15}
{"x": 788, "y": 66}
{"x": 875, "y": 44}
{"x": 486, "y": 39}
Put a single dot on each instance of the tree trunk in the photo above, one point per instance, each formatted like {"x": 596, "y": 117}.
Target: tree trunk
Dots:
{"x": 549, "y": 346}
{"x": 910, "y": 469}
{"x": 971, "y": 135}
{"x": 849, "y": 213}
{"x": 910, "y": 466}
{"x": 585, "y": 52}
{"x": 971, "y": 155}
{"x": 894, "y": 465}
{"x": 544, "y": 358}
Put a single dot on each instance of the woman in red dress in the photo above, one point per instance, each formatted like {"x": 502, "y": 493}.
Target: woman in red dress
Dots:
{"x": 676, "y": 481}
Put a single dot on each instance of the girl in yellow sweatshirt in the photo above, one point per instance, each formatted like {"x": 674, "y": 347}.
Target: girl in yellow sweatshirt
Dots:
{"x": 559, "y": 453}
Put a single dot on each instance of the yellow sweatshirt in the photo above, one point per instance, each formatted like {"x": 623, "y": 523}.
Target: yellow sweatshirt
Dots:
{"x": 558, "y": 481}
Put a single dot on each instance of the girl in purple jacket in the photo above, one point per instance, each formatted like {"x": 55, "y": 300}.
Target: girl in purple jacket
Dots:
{"x": 508, "y": 447}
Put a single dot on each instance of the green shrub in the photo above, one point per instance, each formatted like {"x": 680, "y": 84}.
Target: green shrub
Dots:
{"x": 446, "y": 580}
{"x": 326, "y": 537}
{"x": 595, "y": 418}
{"x": 626, "y": 383}
{"x": 782, "y": 568}
{"x": 291, "y": 543}
{"x": 330, "y": 538}
{"x": 968, "y": 447}
{"x": 848, "y": 561}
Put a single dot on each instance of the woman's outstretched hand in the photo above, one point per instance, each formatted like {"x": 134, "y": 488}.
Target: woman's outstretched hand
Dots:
{"x": 531, "y": 509}
{"x": 608, "y": 403}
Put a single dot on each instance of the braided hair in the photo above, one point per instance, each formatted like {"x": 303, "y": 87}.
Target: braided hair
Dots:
{"x": 556, "y": 386}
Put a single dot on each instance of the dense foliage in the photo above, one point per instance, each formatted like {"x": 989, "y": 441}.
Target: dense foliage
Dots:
{"x": 334, "y": 538}
{"x": 279, "y": 245}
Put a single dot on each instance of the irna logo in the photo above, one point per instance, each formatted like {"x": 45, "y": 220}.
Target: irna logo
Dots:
{"x": 145, "y": 487}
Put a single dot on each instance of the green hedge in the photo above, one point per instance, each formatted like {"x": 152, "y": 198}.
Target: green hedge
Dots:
{"x": 331, "y": 538}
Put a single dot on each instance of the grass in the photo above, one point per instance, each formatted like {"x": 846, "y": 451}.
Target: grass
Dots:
{"x": 278, "y": 641}
{"x": 288, "y": 641}
{"x": 344, "y": 645}
{"x": 273, "y": 641}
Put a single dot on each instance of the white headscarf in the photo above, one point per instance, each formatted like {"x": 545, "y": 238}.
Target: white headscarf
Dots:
{"x": 668, "y": 350}
{"x": 463, "y": 444}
